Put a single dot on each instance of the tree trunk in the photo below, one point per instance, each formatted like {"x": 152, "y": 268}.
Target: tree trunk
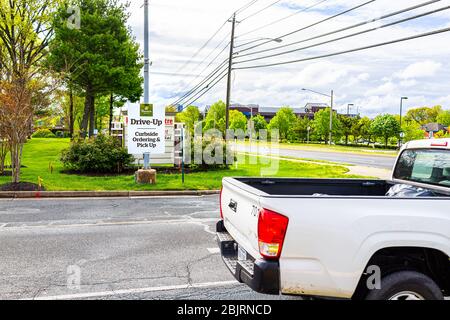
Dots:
{"x": 346, "y": 140}
{"x": 16, "y": 156}
{"x": 71, "y": 115}
{"x": 3, "y": 152}
{"x": 87, "y": 109}
{"x": 111, "y": 106}
{"x": 386, "y": 141}
{"x": 92, "y": 117}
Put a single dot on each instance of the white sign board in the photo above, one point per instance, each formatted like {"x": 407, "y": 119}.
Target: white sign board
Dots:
{"x": 146, "y": 129}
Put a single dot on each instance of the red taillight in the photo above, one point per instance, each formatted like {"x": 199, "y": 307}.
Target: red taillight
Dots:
{"x": 439, "y": 144}
{"x": 272, "y": 229}
{"x": 220, "y": 203}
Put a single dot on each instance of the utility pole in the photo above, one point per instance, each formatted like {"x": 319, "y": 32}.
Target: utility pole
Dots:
{"x": 230, "y": 65}
{"x": 146, "y": 70}
{"x": 331, "y": 117}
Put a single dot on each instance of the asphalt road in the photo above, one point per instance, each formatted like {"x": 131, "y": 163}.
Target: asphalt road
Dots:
{"x": 375, "y": 161}
{"x": 157, "y": 248}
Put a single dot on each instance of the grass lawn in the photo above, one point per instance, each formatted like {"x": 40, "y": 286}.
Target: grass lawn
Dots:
{"x": 40, "y": 155}
{"x": 327, "y": 148}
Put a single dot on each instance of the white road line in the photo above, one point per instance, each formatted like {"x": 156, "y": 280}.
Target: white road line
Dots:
{"x": 213, "y": 250}
{"x": 134, "y": 291}
{"x": 199, "y": 222}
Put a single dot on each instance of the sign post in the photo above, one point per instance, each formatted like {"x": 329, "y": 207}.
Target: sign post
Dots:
{"x": 146, "y": 135}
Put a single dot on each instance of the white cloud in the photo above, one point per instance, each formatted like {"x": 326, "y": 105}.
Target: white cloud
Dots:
{"x": 373, "y": 79}
{"x": 421, "y": 69}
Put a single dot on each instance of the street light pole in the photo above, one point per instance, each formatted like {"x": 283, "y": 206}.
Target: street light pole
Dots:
{"x": 331, "y": 96}
{"x": 401, "y": 113}
{"x": 331, "y": 117}
{"x": 230, "y": 64}
{"x": 348, "y": 108}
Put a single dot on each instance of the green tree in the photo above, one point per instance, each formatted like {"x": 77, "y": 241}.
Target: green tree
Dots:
{"x": 424, "y": 115}
{"x": 362, "y": 129}
{"x": 321, "y": 125}
{"x": 190, "y": 116}
{"x": 444, "y": 118}
{"x": 215, "y": 118}
{"x": 25, "y": 33}
{"x": 412, "y": 131}
{"x": 300, "y": 130}
{"x": 238, "y": 121}
{"x": 348, "y": 124}
{"x": 284, "y": 122}
{"x": 259, "y": 123}
{"x": 102, "y": 54}
{"x": 385, "y": 127}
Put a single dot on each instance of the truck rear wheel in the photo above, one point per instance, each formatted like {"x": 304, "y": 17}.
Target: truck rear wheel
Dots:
{"x": 406, "y": 285}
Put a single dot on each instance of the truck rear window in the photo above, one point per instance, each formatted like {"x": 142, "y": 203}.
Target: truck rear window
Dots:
{"x": 431, "y": 166}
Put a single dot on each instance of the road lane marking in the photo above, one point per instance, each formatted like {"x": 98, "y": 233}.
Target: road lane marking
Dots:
{"x": 199, "y": 222}
{"x": 135, "y": 291}
{"x": 213, "y": 250}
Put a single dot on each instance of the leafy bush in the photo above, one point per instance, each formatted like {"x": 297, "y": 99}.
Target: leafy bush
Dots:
{"x": 43, "y": 133}
{"x": 102, "y": 154}
{"x": 210, "y": 147}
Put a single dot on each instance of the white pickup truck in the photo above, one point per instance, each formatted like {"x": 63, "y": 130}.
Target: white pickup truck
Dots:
{"x": 358, "y": 239}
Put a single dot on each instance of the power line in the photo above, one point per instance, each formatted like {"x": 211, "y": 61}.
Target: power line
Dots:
{"x": 282, "y": 19}
{"x": 224, "y": 71}
{"x": 348, "y": 36}
{"x": 219, "y": 76}
{"x": 313, "y": 24}
{"x": 202, "y": 47}
{"x": 193, "y": 90}
{"x": 245, "y": 7}
{"x": 343, "y": 29}
{"x": 209, "y": 64}
{"x": 422, "y": 35}
{"x": 259, "y": 11}
{"x": 209, "y": 88}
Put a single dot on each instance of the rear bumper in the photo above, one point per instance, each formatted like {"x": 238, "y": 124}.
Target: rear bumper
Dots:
{"x": 261, "y": 275}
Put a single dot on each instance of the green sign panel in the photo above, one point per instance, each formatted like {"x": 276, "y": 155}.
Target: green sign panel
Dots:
{"x": 146, "y": 110}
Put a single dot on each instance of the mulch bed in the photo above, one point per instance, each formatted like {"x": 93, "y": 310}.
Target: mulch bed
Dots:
{"x": 21, "y": 186}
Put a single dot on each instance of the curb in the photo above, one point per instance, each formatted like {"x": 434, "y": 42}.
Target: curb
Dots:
{"x": 101, "y": 194}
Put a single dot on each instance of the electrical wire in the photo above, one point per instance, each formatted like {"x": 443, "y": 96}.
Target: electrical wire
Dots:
{"x": 209, "y": 89}
{"x": 206, "y": 68}
{"x": 259, "y": 11}
{"x": 225, "y": 71}
{"x": 202, "y": 47}
{"x": 282, "y": 19}
{"x": 422, "y": 35}
{"x": 312, "y": 25}
{"x": 345, "y": 28}
{"x": 349, "y": 36}
{"x": 245, "y": 7}
{"x": 212, "y": 74}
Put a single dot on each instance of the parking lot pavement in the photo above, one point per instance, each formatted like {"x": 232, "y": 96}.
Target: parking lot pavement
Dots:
{"x": 156, "y": 248}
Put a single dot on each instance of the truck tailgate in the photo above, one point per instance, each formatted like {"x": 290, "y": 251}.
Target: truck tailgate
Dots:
{"x": 240, "y": 207}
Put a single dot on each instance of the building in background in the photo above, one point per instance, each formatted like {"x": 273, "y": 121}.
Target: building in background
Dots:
{"x": 269, "y": 112}
{"x": 433, "y": 128}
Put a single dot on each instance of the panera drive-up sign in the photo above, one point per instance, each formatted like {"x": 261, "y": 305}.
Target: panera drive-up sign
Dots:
{"x": 146, "y": 129}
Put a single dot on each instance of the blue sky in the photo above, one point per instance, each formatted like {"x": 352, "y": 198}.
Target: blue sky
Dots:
{"x": 374, "y": 80}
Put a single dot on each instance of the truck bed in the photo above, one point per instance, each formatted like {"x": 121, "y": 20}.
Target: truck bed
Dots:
{"x": 310, "y": 187}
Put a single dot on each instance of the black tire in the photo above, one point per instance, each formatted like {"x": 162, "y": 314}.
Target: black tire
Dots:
{"x": 406, "y": 282}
